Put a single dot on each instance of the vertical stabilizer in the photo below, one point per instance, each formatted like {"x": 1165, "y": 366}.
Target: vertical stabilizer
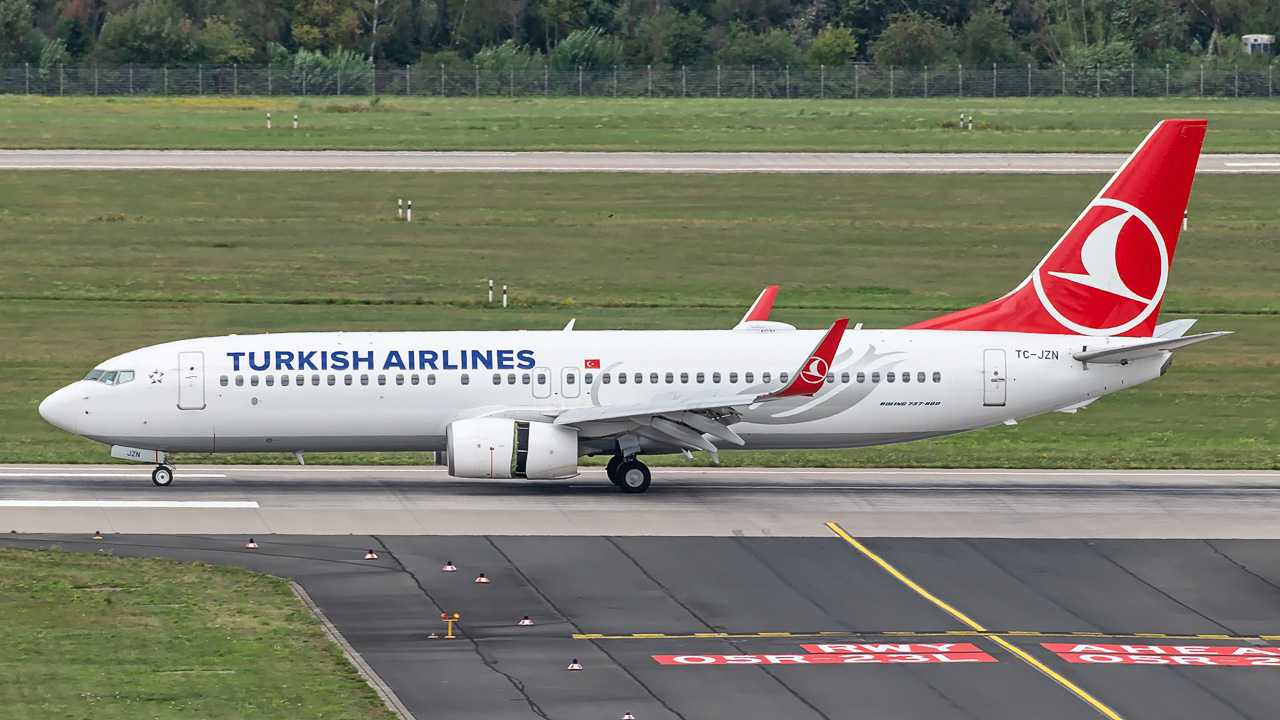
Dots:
{"x": 1108, "y": 272}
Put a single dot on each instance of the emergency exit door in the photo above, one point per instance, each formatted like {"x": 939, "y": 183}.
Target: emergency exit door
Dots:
{"x": 995, "y": 378}
{"x": 191, "y": 381}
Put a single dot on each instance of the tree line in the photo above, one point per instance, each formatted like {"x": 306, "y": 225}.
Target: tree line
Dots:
{"x": 518, "y": 34}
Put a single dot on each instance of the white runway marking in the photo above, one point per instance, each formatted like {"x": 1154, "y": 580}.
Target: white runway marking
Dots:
{"x": 100, "y": 475}
{"x": 145, "y": 504}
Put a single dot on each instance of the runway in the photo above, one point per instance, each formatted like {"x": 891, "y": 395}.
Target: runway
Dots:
{"x": 768, "y": 627}
{"x": 683, "y": 501}
{"x": 640, "y": 162}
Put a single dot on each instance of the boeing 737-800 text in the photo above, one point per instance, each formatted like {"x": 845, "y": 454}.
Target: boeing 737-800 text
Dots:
{"x": 529, "y": 404}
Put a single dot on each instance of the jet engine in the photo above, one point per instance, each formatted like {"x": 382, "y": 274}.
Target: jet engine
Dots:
{"x": 504, "y": 448}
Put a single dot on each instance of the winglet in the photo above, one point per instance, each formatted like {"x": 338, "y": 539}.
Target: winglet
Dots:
{"x": 761, "y": 307}
{"x": 813, "y": 372}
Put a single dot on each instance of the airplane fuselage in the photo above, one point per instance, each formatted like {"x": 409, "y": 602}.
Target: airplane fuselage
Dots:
{"x": 399, "y": 391}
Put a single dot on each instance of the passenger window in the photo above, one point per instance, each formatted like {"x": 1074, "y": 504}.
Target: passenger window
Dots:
{"x": 749, "y": 377}
{"x": 622, "y": 378}
{"x": 364, "y": 379}
{"x": 399, "y": 379}
{"x": 284, "y": 380}
{"x": 831, "y": 377}
{"x": 604, "y": 378}
{"x": 270, "y": 380}
{"x": 889, "y": 376}
{"x": 431, "y": 379}
{"x": 715, "y": 377}
{"x": 382, "y": 379}
{"x": 701, "y": 377}
{"x": 524, "y": 379}
{"x": 315, "y": 380}
{"x": 653, "y": 378}
{"x": 920, "y": 377}
{"x": 497, "y": 378}
{"x": 346, "y": 379}
{"x": 239, "y": 380}
{"x": 906, "y": 377}
{"x": 764, "y": 377}
{"x": 684, "y": 377}
{"x": 639, "y": 378}
{"x": 511, "y": 379}
{"x": 937, "y": 377}
{"x": 861, "y": 377}
{"x": 466, "y": 379}
{"x": 671, "y": 378}
{"x": 95, "y": 374}
{"x": 300, "y": 380}
{"x": 542, "y": 378}
{"x": 332, "y": 379}
{"x": 782, "y": 378}
{"x": 733, "y": 377}
{"x": 413, "y": 379}
{"x": 221, "y": 381}
{"x": 587, "y": 379}
{"x": 124, "y": 377}
{"x": 844, "y": 377}
{"x": 875, "y": 377}
{"x": 253, "y": 380}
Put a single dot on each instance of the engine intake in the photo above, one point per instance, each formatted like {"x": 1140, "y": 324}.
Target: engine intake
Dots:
{"x": 503, "y": 448}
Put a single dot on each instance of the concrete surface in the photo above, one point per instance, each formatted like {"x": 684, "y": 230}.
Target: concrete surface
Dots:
{"x": 662, "y": 162}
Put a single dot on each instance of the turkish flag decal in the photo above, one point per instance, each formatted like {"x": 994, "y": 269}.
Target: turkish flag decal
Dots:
{"x": 591, "y": 364}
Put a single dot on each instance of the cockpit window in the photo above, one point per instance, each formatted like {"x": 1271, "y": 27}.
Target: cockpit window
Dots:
{"x": 110, "y": 377}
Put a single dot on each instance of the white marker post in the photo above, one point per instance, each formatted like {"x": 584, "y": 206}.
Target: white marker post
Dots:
{"x": 970, "y": 122}
{"x": 295, "y": 122}
{"x": 490, "y": 291}
{"x": 408, "y": 215}
{"x": 400, "y": 209}
{"x": 268, "y": 121}
{"x": 1184, "y": 219}
{"x": 504, "y": 296}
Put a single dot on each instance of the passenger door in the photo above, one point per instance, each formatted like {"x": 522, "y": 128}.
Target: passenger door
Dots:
{"x": 995, "y": 378}
{"x": 191, "y": 381}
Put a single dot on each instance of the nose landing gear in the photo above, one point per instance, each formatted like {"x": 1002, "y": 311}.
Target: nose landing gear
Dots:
{"x": 629, "y": 474}
{"x": 162, "y": 476}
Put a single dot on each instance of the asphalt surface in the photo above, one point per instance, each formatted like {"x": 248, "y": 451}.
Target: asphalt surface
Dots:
{"x": 660, "y": 162}
{"x": 321, "y": 500}
{"x": 589, "y": 597}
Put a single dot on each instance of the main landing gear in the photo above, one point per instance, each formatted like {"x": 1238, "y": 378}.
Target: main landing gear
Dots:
{"x": 162, "y": 476}
{"x": 629, "y": 474}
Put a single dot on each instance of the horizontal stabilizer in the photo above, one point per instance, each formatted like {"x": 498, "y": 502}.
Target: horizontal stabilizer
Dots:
{"x": 1128, "y": 353}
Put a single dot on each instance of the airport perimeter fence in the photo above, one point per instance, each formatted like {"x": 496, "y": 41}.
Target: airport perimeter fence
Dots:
{"x": 845, "y": 81}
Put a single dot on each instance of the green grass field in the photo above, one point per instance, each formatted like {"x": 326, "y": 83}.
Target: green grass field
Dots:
{"x": 99, "y": 263}
{"x": 96, "y": 636}
{"x": 425, "y": 123}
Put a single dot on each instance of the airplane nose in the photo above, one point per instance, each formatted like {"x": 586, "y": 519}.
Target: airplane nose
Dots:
{"x": 59, "y": 409}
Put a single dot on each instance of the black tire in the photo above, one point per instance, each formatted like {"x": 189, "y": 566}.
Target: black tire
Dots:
{"x": 162, "y": 476}
{"x": 633, "y": 476}
{"x": 612, "y": 469}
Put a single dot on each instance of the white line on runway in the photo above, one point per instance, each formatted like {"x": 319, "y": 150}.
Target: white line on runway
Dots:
{"x": 38, "y": 474}
{"x": 200, "y": 504}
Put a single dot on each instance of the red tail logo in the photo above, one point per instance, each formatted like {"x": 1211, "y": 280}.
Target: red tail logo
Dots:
{"x": 1108, "y": 273}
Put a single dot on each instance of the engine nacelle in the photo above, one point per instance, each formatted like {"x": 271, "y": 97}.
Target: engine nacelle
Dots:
{"x": 481, "y": 447}
{"x": 502, "y": 448}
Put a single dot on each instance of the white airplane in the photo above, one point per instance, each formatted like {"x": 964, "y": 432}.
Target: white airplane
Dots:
{"x": 529, "y": 404}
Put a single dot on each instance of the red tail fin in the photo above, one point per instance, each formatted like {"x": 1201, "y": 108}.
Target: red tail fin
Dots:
{"x": 1107, "y": 274}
